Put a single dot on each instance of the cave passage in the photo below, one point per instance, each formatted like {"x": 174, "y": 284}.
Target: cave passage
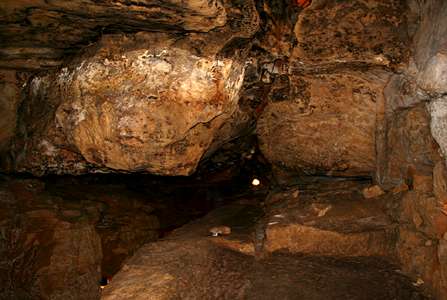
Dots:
{"x": 223, "y": 149}
{"x": 315, "y": 238}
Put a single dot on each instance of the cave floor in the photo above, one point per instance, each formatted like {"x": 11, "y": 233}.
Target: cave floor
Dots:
{"x": 191, "y": 264}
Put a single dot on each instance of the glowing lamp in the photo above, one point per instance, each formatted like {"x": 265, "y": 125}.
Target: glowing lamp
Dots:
{"x": 256, "y": 182}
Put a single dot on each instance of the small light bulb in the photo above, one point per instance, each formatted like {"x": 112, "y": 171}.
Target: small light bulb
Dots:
{"x": 256, "y": 182}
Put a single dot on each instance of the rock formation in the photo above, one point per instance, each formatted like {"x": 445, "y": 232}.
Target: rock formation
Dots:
{"x": 338, "y": 107}
{"x": 55, "y": 243}
{"x": 150, "y": 102}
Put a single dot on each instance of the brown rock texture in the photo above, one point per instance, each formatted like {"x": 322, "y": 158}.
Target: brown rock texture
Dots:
{"x": 372, "y": 192}
{"x": 155, "y": 110}
{"x": 9, "y": 102}
{"x": 352, "y": 31}
{"x": 413, "y": 158}
{"x": 56, "y": 242}
{"x": 410, "y": 148}
{"x": 335, "y": 222}
{"x": 191, "y": 265}
{"x": 430, "y": 46}
{"x": 144, "y": 102}
{"x": 323, "y": 124}
{"x": 324, "y": 76}
{"x": 37, "y": 34}
{"x": 45, "y": 254}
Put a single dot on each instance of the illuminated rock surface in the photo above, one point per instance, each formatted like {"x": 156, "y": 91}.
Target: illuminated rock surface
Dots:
{"x": 337, "y": 107}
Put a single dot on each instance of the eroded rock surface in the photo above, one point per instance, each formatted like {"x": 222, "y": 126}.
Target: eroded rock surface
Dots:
{"x": 323, "y": 124}
{"x": 413, "y": 160}
{"x": 37, "y": 34}
{"x": 189, "y": 265}
{"x": 9, "y": 103}
{"x": 155, "y": 110}
{"x": 337, "y": 221}
{"x": 56, "y": 242}
{"x": 325, "y": 90}
{"x": 371, "y": 32}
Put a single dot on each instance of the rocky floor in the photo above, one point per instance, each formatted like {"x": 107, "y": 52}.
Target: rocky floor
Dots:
{"x": 191, "y": 264}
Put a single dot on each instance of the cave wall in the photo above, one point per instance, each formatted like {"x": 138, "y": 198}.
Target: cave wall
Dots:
{"x": 415, "y": 170}
{"x": 340, "y": 88}
{"x": 145, "y": 102}
{"x": 57, "y": 241}
{"x": 37, "y": 35}
{"x": 10, "y": 97}
{"x": 362, "y": 94}
{"x": 324, "y": 106}
{"x": 411, "y": 151}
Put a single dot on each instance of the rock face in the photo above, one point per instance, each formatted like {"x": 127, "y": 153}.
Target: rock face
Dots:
{"x": 145, "y": 102}
{"x": 346, "y": 88}
{"x": 55, "y": 243}
{"x": 55, "y": 28}
{"x": 9, "y": 102}
{"x": 430, "y": 47}
{"x": 335, "y": 222}
{"x": 430, "y": 65}
{"x": 149, "y": 102}
{"x": 413, "y": 159}
{"x": 371, "y": 32}
{"x": 325, "y": 93}
{"x": 46, "y": 253}
{"x": 323, "y": 124}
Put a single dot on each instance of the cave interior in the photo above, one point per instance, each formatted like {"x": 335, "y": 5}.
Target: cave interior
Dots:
{"x": 223, "y": 149}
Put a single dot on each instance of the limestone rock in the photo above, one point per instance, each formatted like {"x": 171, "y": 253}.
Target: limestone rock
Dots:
{"x": 438, "y": 122}
{"x": 43, "y": 255}
{"x": 148, "y": 103}
{"x": 416, "y": 258}
{"x": 9, "y": 102}
{"x": 372, "y": 192}
{"x": 430, "y": 47}
{"x": 53, "y": 29}
{"x": 323, "y": 124}
{"x": 352, "y": 31}
{"x": 440, "y": 182}
{"x": 347, "y": 226}
{"x": 55, "y": 242}
{"x": 191, "y": 265}
{"x": 434, "y": 76}
{"x": 410, "y": 150}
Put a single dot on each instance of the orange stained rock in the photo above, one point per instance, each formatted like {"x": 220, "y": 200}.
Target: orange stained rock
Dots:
{"x": 444, "y": 208}
{"x": 304, "y": 3}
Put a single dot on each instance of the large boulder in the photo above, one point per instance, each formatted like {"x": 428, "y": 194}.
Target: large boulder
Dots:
{"x": 150, "y": 102}
{"x": 323, "y": 124}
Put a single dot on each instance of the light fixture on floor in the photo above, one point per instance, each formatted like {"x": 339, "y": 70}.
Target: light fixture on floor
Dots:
{"x": 256, "y": 182}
